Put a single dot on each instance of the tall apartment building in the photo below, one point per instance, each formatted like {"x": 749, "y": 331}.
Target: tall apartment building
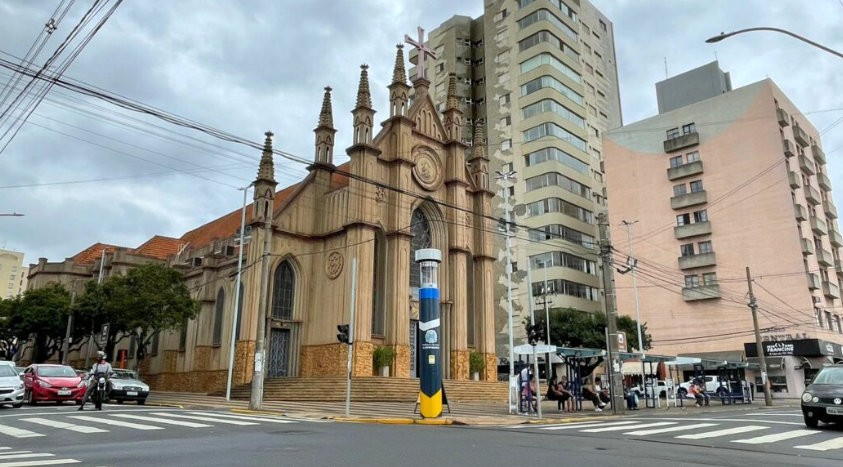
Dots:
{"x": 12, "y": 274}
{"x": 719, "y": 181}
{"x": 541, "y": 77}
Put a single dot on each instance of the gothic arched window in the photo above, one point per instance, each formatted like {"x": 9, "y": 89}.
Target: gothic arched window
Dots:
{"x": 218, "y": 317}
{"x": 283, "y": 289}
{"x": 379, "y": 285}
{"x": 420, "y": 229}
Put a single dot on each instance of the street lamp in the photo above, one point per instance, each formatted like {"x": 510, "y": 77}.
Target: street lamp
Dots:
{"x": 237, "y": 298}
{"x": 723, "y": 35}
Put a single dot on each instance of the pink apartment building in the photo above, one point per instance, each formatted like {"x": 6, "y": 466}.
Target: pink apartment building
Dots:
{"x": 719, "y": 181}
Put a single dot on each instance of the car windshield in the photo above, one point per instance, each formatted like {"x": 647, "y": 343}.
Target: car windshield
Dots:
{"x": 6, "y": 370}
{"x": 123, "y": 374}
{"x": 829, "y": 376}
{"x": 56, "y": 371}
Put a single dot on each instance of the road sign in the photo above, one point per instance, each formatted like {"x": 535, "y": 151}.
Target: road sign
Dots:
{"x": 104, "y": 334}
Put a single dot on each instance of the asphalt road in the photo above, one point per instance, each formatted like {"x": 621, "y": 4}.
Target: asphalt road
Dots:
{"x": 143, "y": 436}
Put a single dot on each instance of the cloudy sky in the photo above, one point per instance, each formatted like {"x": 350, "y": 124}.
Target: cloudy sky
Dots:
{"x": 83, "y": 171}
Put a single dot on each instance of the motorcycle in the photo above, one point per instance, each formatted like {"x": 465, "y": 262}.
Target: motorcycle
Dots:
{"x": 99, "y": 393}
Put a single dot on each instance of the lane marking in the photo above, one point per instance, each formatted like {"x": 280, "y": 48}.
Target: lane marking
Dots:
{"x": 724, "y": 432}
{"x": 620, "y": 428}
{"x": 777, "y": 437}
{"x": 585, "y": 425}
{"x": 106, "y": 421}
{"x": 65, "y": 426}
{"x": 204, "y": 419}
{"x": 246, "y": 417}
{"x": 39, "y": 462}
{"x": 834, "y": 443}
{"x": 25, "y": 455}
{"x": 18, "y": 432}
{"x": 162, "y": 420}
{"x": 669, "y": 429}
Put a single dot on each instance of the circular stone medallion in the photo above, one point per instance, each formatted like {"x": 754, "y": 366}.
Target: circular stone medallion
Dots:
{"x": 427, "y": 171}
{"x": 333, "y": 267}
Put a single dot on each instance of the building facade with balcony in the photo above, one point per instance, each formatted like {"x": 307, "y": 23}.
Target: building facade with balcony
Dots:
{"x": 736, "y": 179}
{"x": 12, "y": 274}
{"x": 541, "y": 76}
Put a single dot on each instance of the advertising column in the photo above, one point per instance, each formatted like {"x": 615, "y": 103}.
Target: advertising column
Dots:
{"x": 430, "y": 394}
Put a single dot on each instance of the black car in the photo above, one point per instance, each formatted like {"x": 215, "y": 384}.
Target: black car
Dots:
{"x": 822, "y": 400}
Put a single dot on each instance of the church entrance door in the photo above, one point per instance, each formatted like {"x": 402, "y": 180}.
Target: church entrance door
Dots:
{"x": 279, "y": 352}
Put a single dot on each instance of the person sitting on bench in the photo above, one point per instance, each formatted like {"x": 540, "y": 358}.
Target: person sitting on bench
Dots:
{"x": 558, "y": 392}
{"x": 595, "y": 395}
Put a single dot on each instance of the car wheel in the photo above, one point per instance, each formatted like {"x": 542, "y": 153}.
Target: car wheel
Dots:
{"x": 59, "y": 402}
{"x": 141, "y": 401}
{"x": 682, "y": 392}
{"x": 810, "y": 422}
{"x": 18, "y": 405}
{"x": 119, "y": 401}
{"x": 721, "y": 393}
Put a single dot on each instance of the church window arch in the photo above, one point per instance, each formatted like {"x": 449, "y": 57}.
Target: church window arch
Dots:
{"x": 420, "y": 229}
{"x": 218, "y": 317}
{"x": 283, "y": 291}
{"x": 379, "y": 285}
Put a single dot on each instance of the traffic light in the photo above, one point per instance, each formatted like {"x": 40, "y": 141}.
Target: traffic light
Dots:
{"x": 533, "y": 334}
{"x": 343, "y": 333}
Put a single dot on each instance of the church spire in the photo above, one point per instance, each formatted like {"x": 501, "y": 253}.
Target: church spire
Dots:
{"x": 265, "y": 184}
{"x": 266, "y": 170}
{"x": 479, "y": 162}
{"x": 453, "y": 114}
{"x": 399, "y": 89}
{"x": 363, "y": 114}
{"x": 325, "y": 131}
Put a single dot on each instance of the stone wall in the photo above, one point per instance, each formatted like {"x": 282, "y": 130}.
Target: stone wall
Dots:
{"x": 459, "y": 364}
{"x": 194, "y": 381}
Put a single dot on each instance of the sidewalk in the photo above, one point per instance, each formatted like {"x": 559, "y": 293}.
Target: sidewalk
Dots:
{"x": 465, "y": 413}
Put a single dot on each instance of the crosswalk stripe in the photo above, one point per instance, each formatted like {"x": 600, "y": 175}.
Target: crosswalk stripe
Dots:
{"x": 63, "y": 425}
{"x": 25, "y": 455}
{"x": 584, "y": 425}
{"x": 724, "y": 432}
{"x": 245, "y": 417}
{"x": 161, "y": 420}
{"x": 204, "y": 419}
{"x": 669, "y": 429}
{"x": 106, "y": 421}
{"x": 627, "y": 427}
{"x": 834, "y": 443}
{"x": 38, "y": 462}
{"x": 776, "y": 437}
{"x": 18, "y": 432}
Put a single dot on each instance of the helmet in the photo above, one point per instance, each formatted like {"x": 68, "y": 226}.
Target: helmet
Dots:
{"x": 101, "y": 355}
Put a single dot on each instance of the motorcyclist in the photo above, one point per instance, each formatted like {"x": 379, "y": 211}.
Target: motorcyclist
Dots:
{"x": 101, "y": 369}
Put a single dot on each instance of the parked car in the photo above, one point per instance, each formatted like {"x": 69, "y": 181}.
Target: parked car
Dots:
{"x": 11, "y": 386}
{"x": 661, "y": 389}
{"x": 822, "y": 400}
{"x": 712, "y": 386}
{"x": 56, "y": 383}
{"x": 124, "y": 385}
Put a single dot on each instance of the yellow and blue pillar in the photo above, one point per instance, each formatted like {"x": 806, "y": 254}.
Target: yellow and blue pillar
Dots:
{"x": 430, "y": 394}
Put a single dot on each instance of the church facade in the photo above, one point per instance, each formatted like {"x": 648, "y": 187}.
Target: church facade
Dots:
{"x": 414, "y": 184}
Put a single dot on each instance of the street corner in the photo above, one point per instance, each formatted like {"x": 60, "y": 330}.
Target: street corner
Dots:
{"x": 165, "y": 404}
{"x": 274, "y": 413}
{"x": 381, "y": 421}
{"x": 436, "y": 421}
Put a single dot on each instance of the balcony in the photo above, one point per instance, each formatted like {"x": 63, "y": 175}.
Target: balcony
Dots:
{"x": 806, "y": 165}
{"x": 823, "y": 181}
{"x": 800, "y": 136}
{"x": 830, "y": 289}
{"x": 801, "y": 212}
{"x": 685, "y": 170}
{"x": 681, "y": 142}
{"x": 813, "y": 281}
{"x": 692, "y": 230}
{"x": 697, "y": 261}
{"x": 783, "y": 118}
{"x": 819, "y": 155}
{"x": 830, "y": 209}
{"x": 789, "y": 150}
{"x": 704, "y": 292}
{"x": 688, "y": 199}
{"x": 836, "y": 238}
{"x": 838, "y": 266}
{"x": 812, "y": 195}
{"x": 818, "y": 226}
{"x": 824, "y": 257}
{"x": 807, "y": 246}
{"x": 794, "y": 179}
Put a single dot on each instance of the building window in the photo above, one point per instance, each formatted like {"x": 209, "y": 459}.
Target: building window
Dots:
{"x": 557, "y": 179}
{"x": 283, "y": 290}
{"x": 420, "y": 229}
{"x": 679, "y": 190}
{"x": 504, "y": 99}
{"x": 440, "y": 68}
{"x": 692, "y": 157}
{"x": 673, "y": 133}
{"x": 218, "y": 317}
{"x": 675, "y": 161}
{"x": 686, "y": 249}
{"x": 689, "y": 128}
{"x": 183, "y": 335}
{"x": 549, "y": 205}
{"x": 701, "y": 216}
{"x": 828, "y": 320}
{"x": 839, "y": 327}
{"x": 818, "y": 316}
{"x": 506, "y": 121}
{"x": 550, "y": 105}
{"x": 546, "y": 15}
{"x": 506, "y": 145}
{"x": 553, "y": 83}
{"x": 710, "y": 278}
{"x": 683, "y": 219}
{"x": 379, "y": 285}
{"x": 552, "y": 129}
{"x": 555, "y": 154}
{"x": 705, "y": 247}
{"x": 548, "y": 59}
{"x": 692, "y": 281}
{"x": 696, "y": 186}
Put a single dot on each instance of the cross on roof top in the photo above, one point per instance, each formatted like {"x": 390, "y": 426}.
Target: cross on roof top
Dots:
{"x": 422, "y": 50}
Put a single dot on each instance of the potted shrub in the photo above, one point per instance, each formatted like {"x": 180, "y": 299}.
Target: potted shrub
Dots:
{"x": 383, "y": 357}
{"x": 476, "y": 364}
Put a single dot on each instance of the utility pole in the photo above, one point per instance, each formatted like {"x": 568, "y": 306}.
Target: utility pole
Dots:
{"x": 538, "y": 394}
{"x": 633, "y": 266}
{"x": 235, "y": 315}
{"x": 66, "y": 343}
{"x": 753, "y": 305}
{"x": 547, "y": 323}
{"x": 614, "y": 366}
{"x": 256, "y": 399}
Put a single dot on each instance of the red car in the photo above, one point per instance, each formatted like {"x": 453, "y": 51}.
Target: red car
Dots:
{"x": 58, "y": 383}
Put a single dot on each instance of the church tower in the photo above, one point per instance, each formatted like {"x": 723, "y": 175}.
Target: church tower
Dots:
{"x": 325, "y": 132}
{"x": 399, "y": 90}
{"x": 265, "y": 184}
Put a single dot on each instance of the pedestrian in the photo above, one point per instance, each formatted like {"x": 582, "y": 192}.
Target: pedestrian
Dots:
{"x": 631, "y": 398}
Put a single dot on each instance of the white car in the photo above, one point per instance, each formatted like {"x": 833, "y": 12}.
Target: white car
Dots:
{"x": 11, "y": 385}
{"x": 712, "y": 386}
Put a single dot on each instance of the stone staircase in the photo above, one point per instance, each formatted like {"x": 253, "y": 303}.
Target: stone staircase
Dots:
{"x": 371, "y": 389}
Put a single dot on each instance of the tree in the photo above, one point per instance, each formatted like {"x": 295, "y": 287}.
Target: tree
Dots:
{"x": 39, "y": 315}
{"x": 145, "y": 301}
